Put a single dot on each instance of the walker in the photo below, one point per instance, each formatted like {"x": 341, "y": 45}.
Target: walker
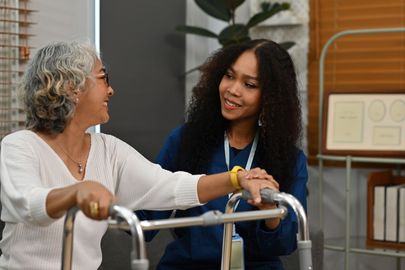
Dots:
{"x": 124, "y": 219}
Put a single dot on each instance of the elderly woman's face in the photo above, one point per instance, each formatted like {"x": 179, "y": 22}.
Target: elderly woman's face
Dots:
{"x": 93, "y": 101}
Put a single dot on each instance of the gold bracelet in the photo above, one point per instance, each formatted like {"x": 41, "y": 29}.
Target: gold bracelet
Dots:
{"x": 234, "y": 177}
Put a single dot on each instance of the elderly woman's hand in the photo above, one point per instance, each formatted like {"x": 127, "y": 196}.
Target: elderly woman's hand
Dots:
{"x": 94, "y": 199}
{"x": 255, "y": 180}
{"x": 258, "y": 178}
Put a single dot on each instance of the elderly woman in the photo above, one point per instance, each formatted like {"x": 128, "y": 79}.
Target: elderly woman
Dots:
{"x": 55, "y": 164}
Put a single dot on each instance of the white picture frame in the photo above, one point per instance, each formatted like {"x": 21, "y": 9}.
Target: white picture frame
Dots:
{"x": 364, "y": 124}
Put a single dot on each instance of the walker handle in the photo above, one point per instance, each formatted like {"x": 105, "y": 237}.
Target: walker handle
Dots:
{"x": 267, "y": 195}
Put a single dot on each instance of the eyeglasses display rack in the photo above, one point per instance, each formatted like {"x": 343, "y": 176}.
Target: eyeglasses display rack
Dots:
{"x": 15, "y": 27}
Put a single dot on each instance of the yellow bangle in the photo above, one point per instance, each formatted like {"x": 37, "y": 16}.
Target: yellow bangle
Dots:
{"x": 234, "y": 177}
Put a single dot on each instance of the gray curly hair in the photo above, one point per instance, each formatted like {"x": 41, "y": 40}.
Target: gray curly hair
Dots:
{"x": 55, "y": 72}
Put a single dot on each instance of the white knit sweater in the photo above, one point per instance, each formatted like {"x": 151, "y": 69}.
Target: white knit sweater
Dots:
{"x": 30, "y": 169}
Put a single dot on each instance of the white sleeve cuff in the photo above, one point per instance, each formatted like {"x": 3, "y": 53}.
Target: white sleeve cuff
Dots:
{"x": 186, "y": 191}
{"x": 37, "y": 207}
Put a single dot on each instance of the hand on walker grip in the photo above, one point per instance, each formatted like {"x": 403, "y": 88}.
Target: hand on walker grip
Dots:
{"x": 94, "y": 199}
{"x": 255, "y": 180}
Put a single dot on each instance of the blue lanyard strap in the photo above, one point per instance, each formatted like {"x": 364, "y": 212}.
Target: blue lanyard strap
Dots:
{"x": 251, "y": 154}
{"x": 248, "y": 163}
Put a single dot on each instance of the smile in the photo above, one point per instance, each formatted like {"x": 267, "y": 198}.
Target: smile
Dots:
{"x": 231, "y": 104}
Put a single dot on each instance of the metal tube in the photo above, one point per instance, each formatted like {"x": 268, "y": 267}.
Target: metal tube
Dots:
{"x": 67, "y": 244}
{"x": 320, "y": 179}
{"x": 303, "y": 228}
{"x": 304, "y": 243}
{"x": 363, "y": 159}
{"x": 203, "y": 220}
{"x": 227, "y": 240}
{"x": 138, "y": 253}
{"x": 269, "y": 195}
{"x": 348, "y": 198}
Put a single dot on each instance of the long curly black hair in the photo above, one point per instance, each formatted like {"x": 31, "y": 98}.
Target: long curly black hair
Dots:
{"x": 281, "y": 129}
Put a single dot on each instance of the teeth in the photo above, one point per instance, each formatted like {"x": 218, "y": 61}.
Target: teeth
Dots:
{"x": 231, "y": 103}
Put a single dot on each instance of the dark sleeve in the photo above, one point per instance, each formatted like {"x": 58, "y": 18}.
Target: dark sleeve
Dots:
{"x": 167, "y": 159}
{"x": 167, "y": 156}
{"x": 283, "y": 240}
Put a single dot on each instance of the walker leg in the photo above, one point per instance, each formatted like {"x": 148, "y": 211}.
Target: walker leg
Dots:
{"x": 305, "y": 254}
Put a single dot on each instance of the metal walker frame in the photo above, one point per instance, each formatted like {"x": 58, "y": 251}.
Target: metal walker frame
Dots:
{"x": 124, "y": 219}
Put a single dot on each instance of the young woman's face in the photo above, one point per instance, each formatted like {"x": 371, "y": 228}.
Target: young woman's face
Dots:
{"x": 93, "y": 101}
{"x": 239, "y": 90}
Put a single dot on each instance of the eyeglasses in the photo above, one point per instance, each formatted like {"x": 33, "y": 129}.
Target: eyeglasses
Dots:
{"x": 104, "y": 76}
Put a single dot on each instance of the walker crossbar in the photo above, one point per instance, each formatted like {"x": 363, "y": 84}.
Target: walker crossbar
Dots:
{"x": 124, "y": 219}
{"x": 207, "y": 219}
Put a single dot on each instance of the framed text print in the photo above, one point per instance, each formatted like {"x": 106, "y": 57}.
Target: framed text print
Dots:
{"x": 371, "y": 124}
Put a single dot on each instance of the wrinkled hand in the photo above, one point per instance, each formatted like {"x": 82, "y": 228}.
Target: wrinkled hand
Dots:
{"x": 258, "y": 174}
{"x": 94, "y": 199}
{"x": 255, "y": 180}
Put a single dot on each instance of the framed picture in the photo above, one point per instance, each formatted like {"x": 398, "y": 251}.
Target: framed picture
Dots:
{"x": 364, "y": 124}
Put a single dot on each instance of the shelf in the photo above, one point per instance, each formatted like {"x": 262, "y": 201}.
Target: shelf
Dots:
{"x": 362, "y": 159}
{"x": 15, "y": 46}
{"x": 19, "y": 22}
{"x": 12, "y": 109}
{"x": 11, "y": 121}
{"x": 14, "y": 58}
{"x": 358, "y": 245}
{"x": 22, "y": 35}
{"x": 21, "y": 10}
{"x": 11, "y": 71}
{"x": 348, "y": 244}
{"x": 15, "y": 51}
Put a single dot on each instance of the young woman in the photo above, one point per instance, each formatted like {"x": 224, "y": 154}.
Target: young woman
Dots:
{"x": 245, "y": 111}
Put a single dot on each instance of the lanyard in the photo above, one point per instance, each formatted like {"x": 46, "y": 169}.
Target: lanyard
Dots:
{"x": 251, "y": 154}
{"x": 248, "y": 163}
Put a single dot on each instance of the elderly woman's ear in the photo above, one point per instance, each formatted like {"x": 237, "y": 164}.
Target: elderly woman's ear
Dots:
{"x": 76, "y": 95}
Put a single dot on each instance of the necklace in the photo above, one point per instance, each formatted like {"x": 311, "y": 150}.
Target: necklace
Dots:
{"x": 79, "y": 163}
